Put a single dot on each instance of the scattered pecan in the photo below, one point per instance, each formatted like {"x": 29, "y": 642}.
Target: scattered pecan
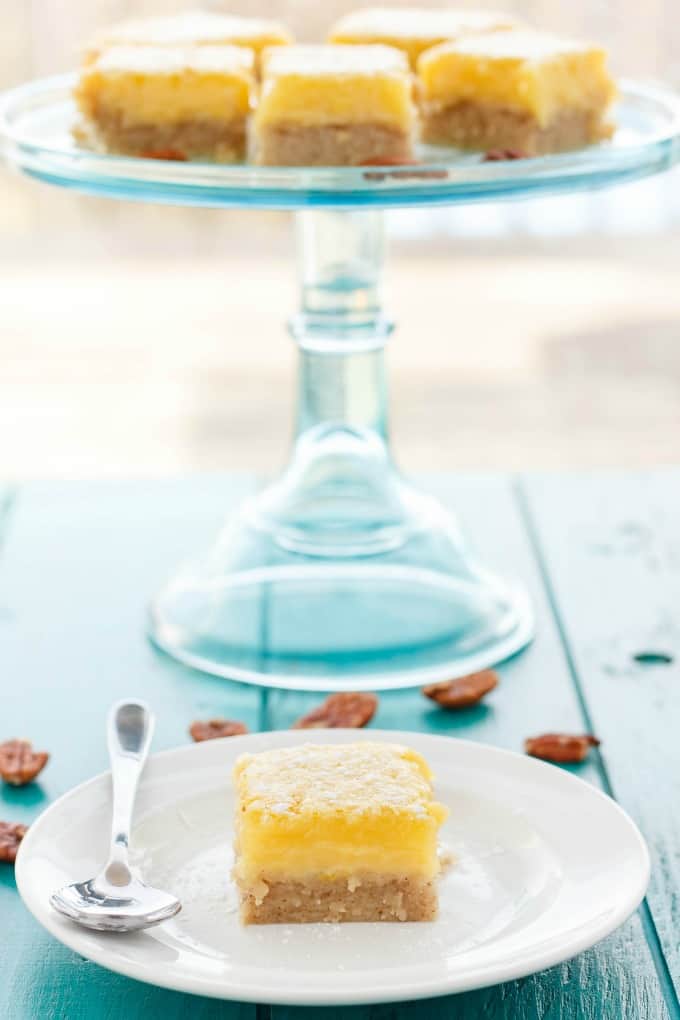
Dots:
{"x": 172, "y": 154}
{"x": 11, "y": 834}
{"x": 561, "y": 747}
{"x": 343, "y": 710}
{"x": 210, "y": 729}
{"x": 19, "y": 763}
{"x": 497, "y": 155}
{"x": 463, "y": 692}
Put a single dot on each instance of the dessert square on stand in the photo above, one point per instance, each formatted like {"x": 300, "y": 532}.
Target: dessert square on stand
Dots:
{"x": 192, "y": 28}
{"x": 414, "y": 30}
{"x": 522, "y": 90}
{"x": 173, "y": 103}
{"x": 334, "y": 106}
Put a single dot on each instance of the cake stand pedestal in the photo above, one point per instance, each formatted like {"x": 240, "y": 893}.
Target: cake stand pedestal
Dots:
{"x": 340, "y": 574}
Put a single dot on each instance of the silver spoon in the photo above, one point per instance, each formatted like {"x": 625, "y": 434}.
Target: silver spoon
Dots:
{"x": 117, "y": 899}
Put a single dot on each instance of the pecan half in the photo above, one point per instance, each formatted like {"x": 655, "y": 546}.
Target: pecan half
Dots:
{"x": 19, "y": 763}
{"x": 210, "y": 729}
{"x": 343, "y": 710}
{"x": 561, "y": 747}
{"x": 388, "y": 161}
{"x": 172, "y": 154}
{"x": 463, "y": 692}
{"x": 11, "y": 835}
{"x": 497, "y": 155}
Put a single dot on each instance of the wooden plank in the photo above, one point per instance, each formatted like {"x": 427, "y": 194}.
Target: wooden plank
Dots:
{"x": 77, "y": 569}
{"x": 614, "y": 981}
{"x": 578, "y": 990}
{"x": 611, "y": 546}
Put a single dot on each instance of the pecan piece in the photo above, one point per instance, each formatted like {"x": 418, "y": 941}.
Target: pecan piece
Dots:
{"x": 497, "y": 155}
{"x": 19, "y": 763}
{"x": 561, "y": 747}
{"x": 210, "y": 729}
{"x": 11, "y": 834}
{"x": 388, "y": 161}
{"x": 172, "y": 154}
{"x": 463, "y": 692}
{"x": 346, "y": 709}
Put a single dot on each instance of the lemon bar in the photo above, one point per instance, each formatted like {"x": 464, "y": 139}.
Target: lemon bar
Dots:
{"x": 523, "y": 90}
{"x": 414, "y": 30}
{"x": 192, "y": 28}
{"x": 336, "y": 832}
{"x": 181, "y": 103}
{"x": 334, "y": 106}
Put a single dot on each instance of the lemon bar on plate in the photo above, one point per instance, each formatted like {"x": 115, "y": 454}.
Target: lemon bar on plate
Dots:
{"x": 414, "y": 30}
{"x": 336, "y": 832}
{"x": 523, "y": 90}
{"x": 334, "y": 106}
{"x": 192, "y": 28}
{"x": 175, "y": 103}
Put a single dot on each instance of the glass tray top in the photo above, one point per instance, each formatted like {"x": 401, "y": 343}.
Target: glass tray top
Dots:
{"x": 35, "y": 134}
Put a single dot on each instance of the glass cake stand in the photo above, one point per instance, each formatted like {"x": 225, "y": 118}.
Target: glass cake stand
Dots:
{"x": 340, "y": 574}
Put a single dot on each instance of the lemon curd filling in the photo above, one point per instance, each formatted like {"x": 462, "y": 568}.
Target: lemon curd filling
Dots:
{"x": 150, "y": 85}
{"x": 318, "y": 85}
{"x": 414, "y": 30}
{"x": 335, "y": 811}
{"x": 193, "y": 28}
{"x": 524, "y": 71}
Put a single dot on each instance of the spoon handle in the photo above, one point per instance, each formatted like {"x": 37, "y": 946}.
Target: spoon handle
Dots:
{"x": 129, "y": 731}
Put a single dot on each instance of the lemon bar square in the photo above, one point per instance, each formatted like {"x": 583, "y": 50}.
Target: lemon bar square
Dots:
{"x": 336, "y": 832}
{"x": 334, "y": 106}
{"x": 180, "y": 103}
{"x": 192, "y": 28}
{"x": 523, "y": 90}
{"x": 414, "y": 30}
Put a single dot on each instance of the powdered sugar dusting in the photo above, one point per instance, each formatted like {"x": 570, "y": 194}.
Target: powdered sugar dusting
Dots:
{"x": 330, "y": 778}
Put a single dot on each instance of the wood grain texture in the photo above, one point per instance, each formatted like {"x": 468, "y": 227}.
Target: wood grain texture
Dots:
{"x": 611, "y": 547}
{"x": 77, "y": 568}
{"x": 76, "y": 571}
{"x": 577, "y": 990}
{"x": 536, "y": 694}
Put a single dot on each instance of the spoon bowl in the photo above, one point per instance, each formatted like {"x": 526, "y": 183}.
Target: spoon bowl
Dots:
{"x": 102, "y": 906}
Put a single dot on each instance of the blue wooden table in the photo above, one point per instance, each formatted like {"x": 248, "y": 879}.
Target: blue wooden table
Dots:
{"x": 601, "y": 556}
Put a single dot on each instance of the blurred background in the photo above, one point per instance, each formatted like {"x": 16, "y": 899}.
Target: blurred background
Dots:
{"x": 146, "y": 340}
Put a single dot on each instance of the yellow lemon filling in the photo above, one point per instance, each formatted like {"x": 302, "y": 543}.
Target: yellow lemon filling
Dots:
{"x": 336, "y": 810}
{"x": 525, "y": 71}
{"x": 318, "y": 85}
{"x": 163, "y": 85}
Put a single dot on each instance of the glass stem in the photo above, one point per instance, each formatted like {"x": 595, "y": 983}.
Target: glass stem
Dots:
{"x": 340, "y": 328}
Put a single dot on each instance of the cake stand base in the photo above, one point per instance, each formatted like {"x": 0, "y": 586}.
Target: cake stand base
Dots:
{"x": 353, "y": 595}
{"x": 340, "y": 575}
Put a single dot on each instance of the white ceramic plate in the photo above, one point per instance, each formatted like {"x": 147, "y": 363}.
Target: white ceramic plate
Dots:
{"x": 545, "y": 867}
